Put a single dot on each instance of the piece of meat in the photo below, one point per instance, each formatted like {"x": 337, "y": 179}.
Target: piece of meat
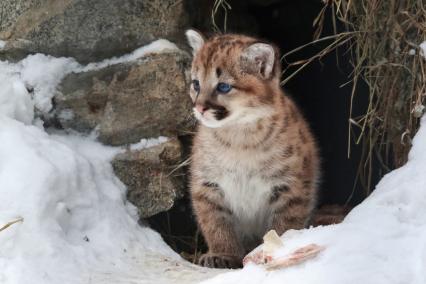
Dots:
{"x": 298, "y": 256}
{"x": 272, "y": 242}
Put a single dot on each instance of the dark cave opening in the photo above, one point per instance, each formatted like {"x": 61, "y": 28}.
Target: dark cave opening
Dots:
{"x": 322, "y": 90}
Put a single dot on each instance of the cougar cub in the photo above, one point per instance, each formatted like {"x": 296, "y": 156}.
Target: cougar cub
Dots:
{"x": 255, "y": 163}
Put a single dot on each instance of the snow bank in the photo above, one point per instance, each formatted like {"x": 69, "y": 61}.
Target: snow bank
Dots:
{"x": 72, "y": 205}
{"x": 77, "y": 226}
{"x": 383, "y": 240}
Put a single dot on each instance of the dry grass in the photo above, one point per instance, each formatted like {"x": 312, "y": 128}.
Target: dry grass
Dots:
{"x": 224, "y": 6}
{"x": 388, "y": 33}
{"x": 337, "y": 40}
{"x": 383, "y": 37}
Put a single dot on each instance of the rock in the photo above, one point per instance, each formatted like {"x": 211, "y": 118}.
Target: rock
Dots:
{"x": 154, "y": 183}
{"x": 87, "y": 30}
{"x": 129, "y": 101}
{"x": 11, "y": 9}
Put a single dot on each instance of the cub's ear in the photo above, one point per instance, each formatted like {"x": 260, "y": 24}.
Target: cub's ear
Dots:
{"x": 195, "y": 40}
{"x": 258, "y": 59}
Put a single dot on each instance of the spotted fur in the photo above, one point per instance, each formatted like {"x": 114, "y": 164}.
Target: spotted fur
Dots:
{"x": 255, "y": 163}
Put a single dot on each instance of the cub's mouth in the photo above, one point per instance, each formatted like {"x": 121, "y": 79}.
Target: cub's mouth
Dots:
{"x": 210, "y": 114}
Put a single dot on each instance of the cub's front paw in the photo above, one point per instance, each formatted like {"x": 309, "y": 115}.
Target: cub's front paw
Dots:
{"x": 216, "y": 260}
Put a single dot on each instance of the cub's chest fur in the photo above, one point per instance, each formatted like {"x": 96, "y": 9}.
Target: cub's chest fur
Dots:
{"x": 239, "y": 172}
{"x": 247, "y": 197}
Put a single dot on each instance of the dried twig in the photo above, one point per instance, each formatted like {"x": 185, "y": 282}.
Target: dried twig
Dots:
{"x": 11, "y": 223}
{"x": 225, "y": 7}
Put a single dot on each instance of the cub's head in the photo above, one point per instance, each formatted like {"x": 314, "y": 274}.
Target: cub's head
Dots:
{"x": 235, "y": 79}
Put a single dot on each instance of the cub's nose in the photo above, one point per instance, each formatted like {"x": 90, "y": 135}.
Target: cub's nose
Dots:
{"x": 201, "y": 108}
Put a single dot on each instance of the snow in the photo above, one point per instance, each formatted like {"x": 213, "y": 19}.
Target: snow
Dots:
{"x": 78, "y": 228}
{"x": 423, "y": 49}
{"x": 42, "y": 73}
{"x": 18, "y": 106}
{"x": 2, "y": 44}
{"x": 147, "y": 143}
{"x": 160, "y": 45}
{"x": 66, "y": 114}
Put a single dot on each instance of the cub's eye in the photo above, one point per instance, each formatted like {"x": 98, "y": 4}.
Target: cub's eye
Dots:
{"x": 196, "y": 85}
{"x": 223, "y": 88}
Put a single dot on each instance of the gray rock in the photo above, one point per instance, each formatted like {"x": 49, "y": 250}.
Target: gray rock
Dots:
{"x": 128, "y": 101}
{"x": 10, "y": 10}
{"x": 87, "y": 30}
{"x": 151, "y": 175}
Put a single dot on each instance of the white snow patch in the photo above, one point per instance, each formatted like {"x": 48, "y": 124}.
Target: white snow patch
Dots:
{"x": 158, "y": 46}
{"x": 423, "y": 49}
{"x": 43, "y": 73}
{"x": 66, "y": 114}
{"x": 15, "y": 101}
{"x": 38, "y": 73}
{"x": 149, "y": 142}
{"x": 2, "y": 44}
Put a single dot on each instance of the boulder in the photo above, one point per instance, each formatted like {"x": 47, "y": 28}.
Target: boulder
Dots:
{"x": 153, "y": 177}
{"x": 128, "y": 101}
{"x": 87, "y": 30}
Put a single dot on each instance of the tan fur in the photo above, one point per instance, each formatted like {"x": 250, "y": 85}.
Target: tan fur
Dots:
{"x": 256, "y": 171}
